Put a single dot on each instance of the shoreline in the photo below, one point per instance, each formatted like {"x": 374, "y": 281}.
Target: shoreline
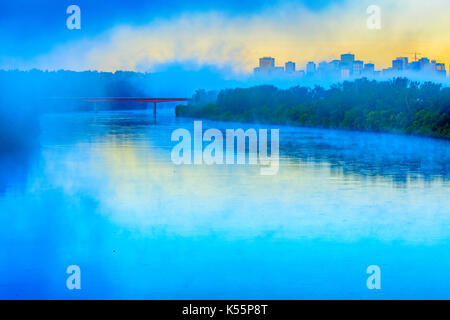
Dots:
{"x": 398, "y": 133}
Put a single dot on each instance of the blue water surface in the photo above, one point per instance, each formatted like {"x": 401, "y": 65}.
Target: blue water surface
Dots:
{"x": 100, "y": 191}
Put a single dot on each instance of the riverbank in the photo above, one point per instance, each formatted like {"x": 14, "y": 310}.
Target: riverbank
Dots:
{"x": 396, "y": 106}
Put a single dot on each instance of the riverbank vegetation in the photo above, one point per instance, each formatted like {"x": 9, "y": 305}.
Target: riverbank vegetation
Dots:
{"x": 399, "y": 106}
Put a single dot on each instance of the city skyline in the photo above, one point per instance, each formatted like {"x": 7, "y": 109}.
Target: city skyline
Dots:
{"x": 142, "y": 36}
{"x": 348, "y": 66}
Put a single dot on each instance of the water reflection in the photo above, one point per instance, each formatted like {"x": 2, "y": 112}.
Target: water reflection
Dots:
{"x": 328, "y": 185}
{"x": 102, "y": 193}
{"x": 15, "y": 166}
{"x": 398, "y": 157}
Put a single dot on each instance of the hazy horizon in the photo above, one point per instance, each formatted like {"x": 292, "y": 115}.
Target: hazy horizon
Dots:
{"x": 230, "y": 36}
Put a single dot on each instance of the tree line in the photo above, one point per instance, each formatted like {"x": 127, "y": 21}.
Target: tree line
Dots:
{"x": 399, "y": 105}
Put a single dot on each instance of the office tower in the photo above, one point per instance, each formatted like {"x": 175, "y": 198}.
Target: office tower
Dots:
{"x": 400, "y": 63}
{"x": 440, "y": 69}
{"x": 358, "y": 66}
{"x": 405, "y": 61}
{"x": 323, "y": 68}
{"x": 432, "y": 66}
{"x": 397, "y": 64}
{"x": 369, "y": 68}
{"x": 266, "y": 62}
{"x": 347, "y": 61}
{"x": 289, "y": 67}
{"x": 415, "y": 66}
{"x": 424, "y": 63}
{"x": 310, "y": 68}
{"x": 266, "y": 66}
{"x": 440, "y": 66}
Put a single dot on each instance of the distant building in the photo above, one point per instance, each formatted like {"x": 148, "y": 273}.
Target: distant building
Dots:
{"x": 424, "y": 63}
{"x": 310, "y": 68}
{"x": 440, "y": 66}
{"x": 369, "y": 68}
{"x": 348, "y": 67}
{"x": 415, "y": 66}
{"x": 335, "y": 65}
{"x": 400, "y": 63}
{"x": 266, "y": 62}
{"x": 323, "y": 66}
{"x": 387, "y": 72}
{"x": 433, "y": 65}
{"x": 397, "y": 64}
{"x": 289, "y": 67}
{"x": 440, "y": 69}
{"x": 278, "y": 70}
{"x": 267, "y": 66}
{"x": 358, "y": 67}
{"x": 347, "y": 61}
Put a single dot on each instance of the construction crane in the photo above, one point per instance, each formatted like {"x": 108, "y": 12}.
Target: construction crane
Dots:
{"x": 415, "y": 54}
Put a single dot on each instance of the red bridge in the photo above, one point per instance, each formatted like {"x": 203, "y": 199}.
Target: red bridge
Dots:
{"x": 154, "y": 100}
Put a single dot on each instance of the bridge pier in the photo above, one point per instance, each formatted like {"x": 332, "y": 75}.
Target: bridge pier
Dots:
{"x": 154, "y": 109}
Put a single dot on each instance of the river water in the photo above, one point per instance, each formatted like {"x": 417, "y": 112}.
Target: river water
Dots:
{"x": 101, "y": 192}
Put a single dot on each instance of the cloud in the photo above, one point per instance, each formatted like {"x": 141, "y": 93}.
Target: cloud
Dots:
{"x": 287, "y": 32}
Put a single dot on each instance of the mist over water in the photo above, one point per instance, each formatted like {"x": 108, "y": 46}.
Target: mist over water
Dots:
{"x": 101, "y": 192}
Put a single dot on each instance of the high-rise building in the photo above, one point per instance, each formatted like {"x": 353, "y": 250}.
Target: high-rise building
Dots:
{"x": 323, "y": 66}
{"x": 433, "y": 65}
{"x": 415, "y": 66}
{"x": 266, "y": 62}
{"x": 424, "y": 63}
{"x": 440, "y": 69}
{"x": 289, "y": 67}
{"x": 369, "y": 68}
{"x": 440, "y": 66}
{"x": 348, "y": 67}
{"x": 267, "y": 66}
{"x": 400, "y": 63}
{"x": 397, "y": 64}
{"x": 358, "y": 67}
{"x": 347, "y": 61}
{"x": 310, "y": 68}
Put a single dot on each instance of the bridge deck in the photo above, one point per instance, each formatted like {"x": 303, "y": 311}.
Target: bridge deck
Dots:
{"x": 135, "y": 99}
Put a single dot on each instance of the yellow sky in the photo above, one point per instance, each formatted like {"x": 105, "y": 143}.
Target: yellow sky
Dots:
{"x": 286, "y": 33}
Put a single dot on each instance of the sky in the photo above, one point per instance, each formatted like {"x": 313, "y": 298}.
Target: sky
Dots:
{"x": 230, "y": 34}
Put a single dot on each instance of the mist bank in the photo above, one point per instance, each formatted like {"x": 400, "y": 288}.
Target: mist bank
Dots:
{"x": 397, "y": 106}
{"x": 25, "y": 95}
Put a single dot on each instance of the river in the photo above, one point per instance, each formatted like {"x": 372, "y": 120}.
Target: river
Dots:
{"x": 102, "y": 193}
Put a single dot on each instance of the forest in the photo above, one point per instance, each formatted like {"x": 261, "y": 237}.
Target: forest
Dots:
{"x": 398, "y": 105}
